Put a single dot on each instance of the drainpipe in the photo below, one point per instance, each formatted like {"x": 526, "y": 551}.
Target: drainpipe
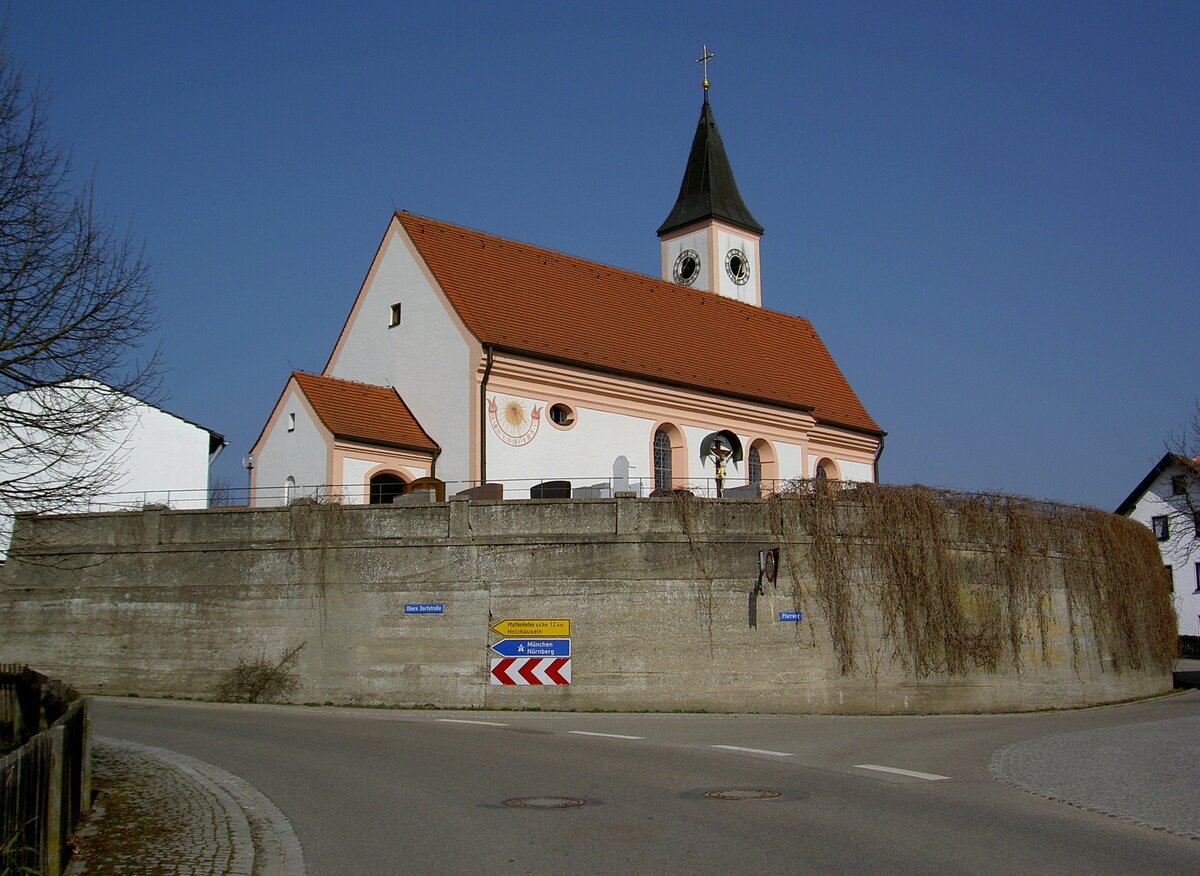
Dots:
{"x": 878, "y": 453}
{"x": 483, "y": 417}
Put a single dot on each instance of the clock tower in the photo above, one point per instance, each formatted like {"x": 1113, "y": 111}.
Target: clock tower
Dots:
{"x": 710, "y": 241}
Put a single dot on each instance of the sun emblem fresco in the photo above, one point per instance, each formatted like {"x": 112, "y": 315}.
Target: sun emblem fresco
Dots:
{"x": 512, "y": 422}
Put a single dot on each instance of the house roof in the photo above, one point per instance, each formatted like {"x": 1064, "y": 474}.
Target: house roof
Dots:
{"x": 1168, "y": 460}
{"x": 708, "y": 190}
{"x": 364, "y": 413}
{"x": 537, "y": 302}
{"x": 216, "y": 441}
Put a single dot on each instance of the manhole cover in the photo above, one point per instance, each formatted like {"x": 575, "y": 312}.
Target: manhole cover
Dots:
{"x": 742, "y": 794}
{"x": 543, "y": 802}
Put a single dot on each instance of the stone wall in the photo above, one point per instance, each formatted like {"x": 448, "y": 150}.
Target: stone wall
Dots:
{"x": 659, "y": 593}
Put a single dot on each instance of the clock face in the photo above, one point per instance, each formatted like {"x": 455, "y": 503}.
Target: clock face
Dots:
{"x": 737, "y": 266}
{"x": 687, "y": 267}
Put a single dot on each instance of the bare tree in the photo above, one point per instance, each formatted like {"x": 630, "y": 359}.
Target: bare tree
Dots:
{"x": 76, "y": 303}
{"x": 1183, "y": 494}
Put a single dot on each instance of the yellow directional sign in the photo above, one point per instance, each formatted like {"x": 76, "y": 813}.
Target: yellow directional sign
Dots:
{"x": 535, "y": 627}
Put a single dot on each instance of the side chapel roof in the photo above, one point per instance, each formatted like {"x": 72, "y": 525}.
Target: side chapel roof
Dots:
{"x": 549, "y": 305}
{"x": 363, "y": 412}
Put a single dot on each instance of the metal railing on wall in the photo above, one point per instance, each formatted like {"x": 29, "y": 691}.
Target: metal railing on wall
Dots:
{"x": 359, "y": 494}
{"x": 45, "y": 780}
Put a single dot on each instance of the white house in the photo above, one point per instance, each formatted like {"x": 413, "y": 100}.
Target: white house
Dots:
{"x": 501, "y": 362}
{"x": 1168, "y": 501}
{"x": 148, "y": 456}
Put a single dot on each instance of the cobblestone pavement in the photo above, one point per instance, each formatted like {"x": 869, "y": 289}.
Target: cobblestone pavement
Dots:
{"x": 159, "y": 812}
{"x": 1145, "y": 773}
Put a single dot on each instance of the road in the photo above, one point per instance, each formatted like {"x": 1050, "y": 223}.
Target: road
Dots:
{"x": 383, "y": 792}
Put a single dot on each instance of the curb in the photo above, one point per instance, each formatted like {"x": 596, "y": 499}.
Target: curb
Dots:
{"x": 263, "y": 839}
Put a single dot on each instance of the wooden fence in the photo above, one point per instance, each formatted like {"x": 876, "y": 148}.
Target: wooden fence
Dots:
{"x": 45, "y": 783}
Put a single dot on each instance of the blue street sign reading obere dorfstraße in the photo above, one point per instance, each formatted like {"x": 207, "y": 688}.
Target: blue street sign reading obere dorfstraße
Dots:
{"x": 533, "y": 647}
{"x": 791, "y": 616}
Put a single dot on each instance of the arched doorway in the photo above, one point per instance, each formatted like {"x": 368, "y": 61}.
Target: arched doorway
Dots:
{"x": 385, "y": 488}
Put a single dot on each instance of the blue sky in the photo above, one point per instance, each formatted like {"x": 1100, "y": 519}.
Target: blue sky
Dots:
{"x": 990, "y": 211}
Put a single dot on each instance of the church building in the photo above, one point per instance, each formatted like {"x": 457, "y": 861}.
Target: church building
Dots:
{"x": 475, "y": 359}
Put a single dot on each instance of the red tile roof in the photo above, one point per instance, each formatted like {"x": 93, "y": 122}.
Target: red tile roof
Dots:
{"x": 362, "y": 412}
{"x": 550, "y": 305}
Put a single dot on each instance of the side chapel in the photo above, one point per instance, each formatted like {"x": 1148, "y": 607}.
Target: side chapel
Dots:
{"x": 476, "y": 359}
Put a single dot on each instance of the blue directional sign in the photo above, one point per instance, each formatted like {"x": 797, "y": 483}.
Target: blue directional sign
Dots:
{"x": 424, "y": 607}
{"x": 791, "y": 616}
{"x": 533, "y": 647}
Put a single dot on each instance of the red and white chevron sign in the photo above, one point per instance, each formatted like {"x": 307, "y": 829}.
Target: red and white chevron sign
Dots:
{"x": 531, "y": 670}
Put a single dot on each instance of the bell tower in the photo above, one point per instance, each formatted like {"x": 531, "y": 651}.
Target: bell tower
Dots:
{"x": 709, "y": 240}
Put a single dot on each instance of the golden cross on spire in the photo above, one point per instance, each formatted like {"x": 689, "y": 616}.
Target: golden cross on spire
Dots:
{"x": 704, "y": 58}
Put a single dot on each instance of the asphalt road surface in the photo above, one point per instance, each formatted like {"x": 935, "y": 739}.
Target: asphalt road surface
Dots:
{"x": 383, "y": 792}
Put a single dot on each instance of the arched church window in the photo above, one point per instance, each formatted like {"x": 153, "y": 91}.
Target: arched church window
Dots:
{"x": 385, "y": 488}
{"x": 289, "y": 489}
{"x": 826, "y": 470}
{"x": 662, "y": 460}
{"x": 754, "y": 465}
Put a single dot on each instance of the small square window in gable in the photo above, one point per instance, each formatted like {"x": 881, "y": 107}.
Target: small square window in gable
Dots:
{"x": 394, "y": 316}
{"x": 1178, "y": 485}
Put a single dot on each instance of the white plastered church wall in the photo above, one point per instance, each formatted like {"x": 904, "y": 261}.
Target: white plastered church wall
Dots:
{"x": 426, "y": 357}
{"x": 583, "y": 454}
{"x": 301, "y": 454}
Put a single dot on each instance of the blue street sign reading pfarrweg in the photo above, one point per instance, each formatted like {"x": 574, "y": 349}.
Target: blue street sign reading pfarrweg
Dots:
{"x": 533, "y": 647}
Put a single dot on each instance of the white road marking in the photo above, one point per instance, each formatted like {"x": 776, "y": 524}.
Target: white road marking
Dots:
{"x": 606, "y": 735}
{"x": 464, "y": 721}
{"x": 754, "y": 750}
{"x": 933, "y": 777}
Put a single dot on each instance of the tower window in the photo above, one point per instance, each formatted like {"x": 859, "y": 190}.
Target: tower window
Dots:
{"x": 737, "y": 266}
{"x": 687, "y": 267}
{"x": 394, "y": 319}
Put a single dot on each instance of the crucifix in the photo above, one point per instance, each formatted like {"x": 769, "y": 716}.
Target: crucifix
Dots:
{"x": 704, "y": 58}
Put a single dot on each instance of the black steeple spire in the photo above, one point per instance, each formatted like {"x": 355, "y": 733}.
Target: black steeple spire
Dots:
{"x": 708, "y": 190}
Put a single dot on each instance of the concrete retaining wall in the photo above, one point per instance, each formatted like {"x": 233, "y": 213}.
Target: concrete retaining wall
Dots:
{"x": 662, "y": 614}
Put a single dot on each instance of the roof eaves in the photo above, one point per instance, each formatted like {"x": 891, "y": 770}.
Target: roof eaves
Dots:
{"x": 651, "y": 378}
{"x": 1132, "y": 499}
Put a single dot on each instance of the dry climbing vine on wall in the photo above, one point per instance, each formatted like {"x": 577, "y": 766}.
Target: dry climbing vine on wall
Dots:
{"x": 811, "y": 507}
{"x": 1115, "y": 577}
{"x": 963, "y": 581}
{"x": 316, "y": 530}
{"x": 684, "y": 501}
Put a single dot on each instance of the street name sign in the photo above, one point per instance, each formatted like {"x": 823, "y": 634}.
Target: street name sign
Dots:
{"x": 424, "y": 608}
{"x": 533, "y": 627}
{"x": 533, "y": 647}
{"x": 791, "y": 616}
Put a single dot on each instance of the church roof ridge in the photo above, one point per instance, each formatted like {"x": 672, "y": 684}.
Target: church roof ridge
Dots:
{"x": 543, "y": 303}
